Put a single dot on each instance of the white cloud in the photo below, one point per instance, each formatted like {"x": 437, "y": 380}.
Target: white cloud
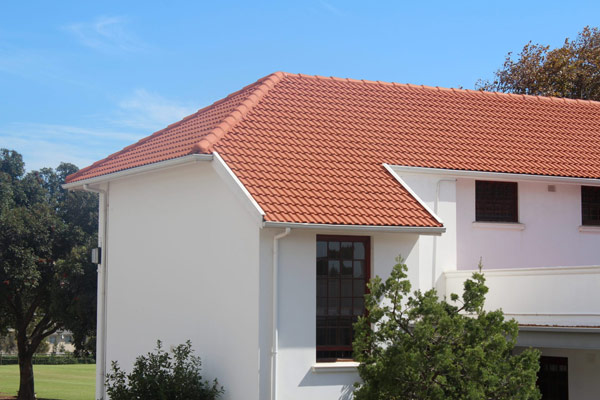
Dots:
{"x": 134, "y": 117}
{"x": 106, "y": 34}
{"x": 332, "y": 9}
{"x": 47, "y": 145}
{"x": 150, "y": 111}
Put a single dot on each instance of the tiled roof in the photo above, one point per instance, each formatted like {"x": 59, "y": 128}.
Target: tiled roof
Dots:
{"x": 310, "y": 149}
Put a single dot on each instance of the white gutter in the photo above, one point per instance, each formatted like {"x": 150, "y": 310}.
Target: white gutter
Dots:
{"x": 457, "y": 173}
{"x": 275, "y": 319}
{"x": 421, "y": 230}
{"x": 562, "y": 329}
{"x": 435, "y": 210}
{"x": 412, "y": 193}
{"x": 102, "y": 284}
{"x": 191, "y": 158}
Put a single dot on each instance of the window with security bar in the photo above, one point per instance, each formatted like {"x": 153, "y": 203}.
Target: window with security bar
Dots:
{"x": 496, "y": 201}
{"x": 590, "y": 205}
{"x": 343, "y": 270}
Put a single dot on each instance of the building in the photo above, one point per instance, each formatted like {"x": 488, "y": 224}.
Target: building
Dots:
{"x": 252, "y": 226}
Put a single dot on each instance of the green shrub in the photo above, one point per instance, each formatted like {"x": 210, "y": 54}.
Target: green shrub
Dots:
{"x": 162, "y": 375}
{"x": 418, "y": 346}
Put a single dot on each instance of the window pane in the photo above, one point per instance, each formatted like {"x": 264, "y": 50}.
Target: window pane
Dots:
{"x": 334, "y": 267}
{"x": 359, "y": 251}
{"x": 334, "y": 250}
{"x": 359, "y": 287}
{"x": 359, "y": 306}
{"x": 331, "y": 335}
{"x": 321, "y": 306}
{"x": 346, "y": 308}
{"x": 347, "y": 267}
{"x": 321, "y": 249}
{"x": 346, "y": 336}
{"x": 359, "y": 269}
{"x": 321, "y": 287}
{"x": 322, "y": 267}
{"x": 346, "y": 251}
{"x": 321, "y": 335}
{"x": 334, "y": 288}
{"x": 333, "y": 306}
{"x": 346, "y": 287}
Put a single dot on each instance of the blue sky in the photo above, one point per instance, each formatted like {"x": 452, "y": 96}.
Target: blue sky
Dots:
{"x": 80, "y": 80}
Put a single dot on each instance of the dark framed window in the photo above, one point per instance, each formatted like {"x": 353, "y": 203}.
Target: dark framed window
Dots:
{"x": 343, "y": 270}
{"x": 590, "y": 205}
{"x": 496, "y": 201}
{"x": 553, "y": 378}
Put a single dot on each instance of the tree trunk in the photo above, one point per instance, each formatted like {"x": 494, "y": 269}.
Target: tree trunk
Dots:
{"x": 26, "y": 388}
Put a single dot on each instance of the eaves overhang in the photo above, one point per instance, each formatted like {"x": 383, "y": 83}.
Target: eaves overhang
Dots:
{"x": 420, "y": 230}
{"x": 188, "y": 159}
{"x": 505, "y": 176}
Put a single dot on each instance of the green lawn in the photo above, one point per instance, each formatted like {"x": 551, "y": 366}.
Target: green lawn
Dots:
{"x": 60, "y": 382}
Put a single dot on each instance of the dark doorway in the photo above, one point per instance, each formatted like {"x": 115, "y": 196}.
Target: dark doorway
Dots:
{"x": 553, "y": 378}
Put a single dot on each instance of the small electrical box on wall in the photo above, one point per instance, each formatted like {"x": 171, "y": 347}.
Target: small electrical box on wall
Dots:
{"x": 551, "y": 188}
{"x": 97, "y": 255}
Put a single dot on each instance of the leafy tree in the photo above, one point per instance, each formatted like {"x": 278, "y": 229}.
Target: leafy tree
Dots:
{"x": 571, "y": 71}
{"x": 162, "y": 375}
{"x": 8, "y": 343}
{"x": 420, "y": 347}
{"x": 45, "y": 278}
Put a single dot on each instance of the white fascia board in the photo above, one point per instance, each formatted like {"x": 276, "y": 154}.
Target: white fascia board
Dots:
{"x": 412, "y": 193}
{"x": 226, "y": 173}
{"x": 536, "y": 271}
{"x": 563, "y": 329}
{"x": 560, "y": 338}
{"x": 421, "y": 230}
{"x": 191, "y": 158}
{"x": 500, "y": 176}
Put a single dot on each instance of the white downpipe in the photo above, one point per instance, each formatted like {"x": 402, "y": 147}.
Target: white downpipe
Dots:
{"x": 275, "y": 339}
{"x": 435, "y": 210}
{"x": 102, "y": 282}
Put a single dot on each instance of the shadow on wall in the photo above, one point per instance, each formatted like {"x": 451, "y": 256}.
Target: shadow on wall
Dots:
{"x": 346, "y": 380}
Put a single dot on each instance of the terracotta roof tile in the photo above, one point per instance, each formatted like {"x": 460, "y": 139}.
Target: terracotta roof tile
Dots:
{"x": 310, "y": 149}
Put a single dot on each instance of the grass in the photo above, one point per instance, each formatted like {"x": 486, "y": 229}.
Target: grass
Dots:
{"x": 57, "y": 382}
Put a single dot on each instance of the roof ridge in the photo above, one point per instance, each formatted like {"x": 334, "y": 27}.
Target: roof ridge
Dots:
{"x": 438, "y": 88}
{"x": 206, "y": 144}
{"x": 168, "y": 127}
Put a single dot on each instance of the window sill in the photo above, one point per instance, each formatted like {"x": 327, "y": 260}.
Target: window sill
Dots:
{"x": 589, "y": 229}
{"x": 512, "y": 226}
{"x": 335, "y": 367}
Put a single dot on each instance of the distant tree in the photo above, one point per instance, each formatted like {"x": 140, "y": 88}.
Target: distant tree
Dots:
{"x": 45, "y": 276}
{"x": 414, "y": 347}
{"x": 8, "y": 343}
{"x": 571, "y": 71}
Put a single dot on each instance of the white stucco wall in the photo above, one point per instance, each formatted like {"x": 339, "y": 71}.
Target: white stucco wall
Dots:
{"x": 540, "y": 296}
{"x": 437, "y": 254}
{"x": 550, "y": 237}
{"x": 297, "y": 309}
{"x": 548, "y": 234}
{"x": 183, "y": 257}
{"x": 584, "y": 371}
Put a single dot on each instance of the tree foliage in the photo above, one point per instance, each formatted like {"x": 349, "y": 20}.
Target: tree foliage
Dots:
{"x": 162, "y": 375}
{"x": 571, "y": 71}
{"x": 420, "y": 347}
{"x": 46, "y": 281}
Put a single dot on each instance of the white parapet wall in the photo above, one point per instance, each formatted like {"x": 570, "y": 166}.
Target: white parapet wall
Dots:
{"x": 557, "y": 296}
